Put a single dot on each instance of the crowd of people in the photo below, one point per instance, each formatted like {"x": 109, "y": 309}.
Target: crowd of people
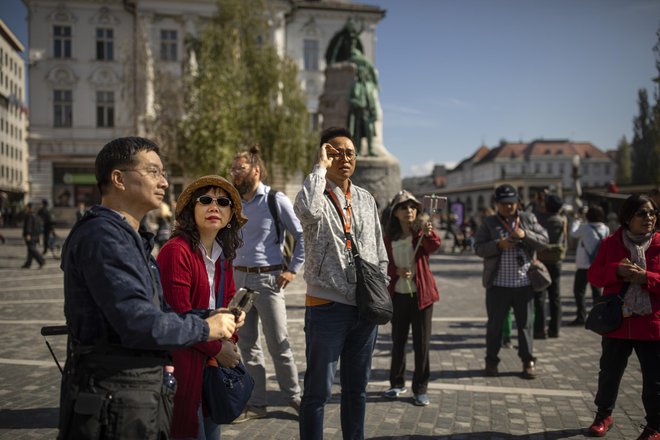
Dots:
{"x": 131, "y": 316}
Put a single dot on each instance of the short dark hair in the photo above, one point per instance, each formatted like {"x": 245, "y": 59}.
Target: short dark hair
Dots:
{"x": 630, "y": 207}
{"x": 595, "y": 214}
{"x": 119, "y": 153}
{"x": 333, "y": 132}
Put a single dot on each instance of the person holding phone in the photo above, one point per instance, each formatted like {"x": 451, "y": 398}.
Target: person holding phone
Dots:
{"x": 409, "y": 240}
{"x": 197, "y": 277}
{"x": 508, "y": 242}
{"x": 628, "y": 264}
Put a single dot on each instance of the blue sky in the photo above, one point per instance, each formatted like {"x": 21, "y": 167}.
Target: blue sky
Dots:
{"x": 458, "y": 73}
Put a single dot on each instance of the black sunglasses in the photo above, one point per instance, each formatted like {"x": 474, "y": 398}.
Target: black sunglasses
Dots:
{"x": 207, "y": 200}
{"x": 643, "y": 213}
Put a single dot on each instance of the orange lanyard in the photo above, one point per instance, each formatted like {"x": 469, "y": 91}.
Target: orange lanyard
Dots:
{"x": 346, "y": 219}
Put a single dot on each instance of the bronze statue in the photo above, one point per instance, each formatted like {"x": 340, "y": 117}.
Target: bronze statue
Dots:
{"x": 362, "y": 105}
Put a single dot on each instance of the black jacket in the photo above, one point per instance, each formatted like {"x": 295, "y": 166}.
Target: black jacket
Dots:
{"x": 112, "y": 290}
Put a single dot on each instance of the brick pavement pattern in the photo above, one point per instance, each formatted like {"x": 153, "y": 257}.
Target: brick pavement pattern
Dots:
{"x": 464, "y": 403}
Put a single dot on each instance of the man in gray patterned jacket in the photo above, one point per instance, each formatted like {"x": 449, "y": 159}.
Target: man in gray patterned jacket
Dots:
{"x": 333, "y": 328}
{"x": 508, "y": 241}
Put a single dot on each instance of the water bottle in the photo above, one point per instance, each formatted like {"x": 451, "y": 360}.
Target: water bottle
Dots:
{"x": 169, "y": 381}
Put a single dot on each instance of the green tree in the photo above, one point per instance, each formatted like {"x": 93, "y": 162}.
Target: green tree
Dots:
{"x": 624, "y": 162}
{"x": 643, "y": 141}
{"x": 243, "y": 93}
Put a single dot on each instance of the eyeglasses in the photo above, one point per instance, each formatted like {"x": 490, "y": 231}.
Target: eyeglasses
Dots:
{"x": 642, "y": 213}
{"x": 348, "y": 154}
{"x": 153, "y": 172}
{"x": 239, "y": 170}
{"x": 220, "y": 201}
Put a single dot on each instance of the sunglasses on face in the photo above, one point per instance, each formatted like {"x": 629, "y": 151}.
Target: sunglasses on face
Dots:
{"x": 643, "y": 213}
{"x": 220, "y": 201}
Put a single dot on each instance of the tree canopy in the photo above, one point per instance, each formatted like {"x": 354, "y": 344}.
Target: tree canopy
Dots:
{"x": 240, "y": 93}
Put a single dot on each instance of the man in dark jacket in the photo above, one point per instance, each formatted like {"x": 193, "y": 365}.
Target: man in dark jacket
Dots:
{"x": 119, "y": 327}
{"x": 47, "y": 224}
{"x": 554, "y": 221}
{"x": 31, "y": 228}
{"x": 508, "y": 241}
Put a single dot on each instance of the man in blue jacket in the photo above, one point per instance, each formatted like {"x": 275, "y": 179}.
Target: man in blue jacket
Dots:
{"x": 119, "y": 327}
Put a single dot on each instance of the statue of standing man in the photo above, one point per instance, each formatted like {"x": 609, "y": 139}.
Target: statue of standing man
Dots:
{"x": 363, "y": 110}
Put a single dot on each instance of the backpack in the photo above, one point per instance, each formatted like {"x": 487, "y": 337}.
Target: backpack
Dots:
{"x": 592, "y": 255}
{"x": 283, "y": 236}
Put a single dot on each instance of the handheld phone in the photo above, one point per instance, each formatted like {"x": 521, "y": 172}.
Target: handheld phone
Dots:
{"x": 242, "y": 301}
{"x": 433, "y": 204}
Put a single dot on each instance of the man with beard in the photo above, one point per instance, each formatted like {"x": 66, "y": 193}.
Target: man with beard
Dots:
{"x": 259, "y": 265}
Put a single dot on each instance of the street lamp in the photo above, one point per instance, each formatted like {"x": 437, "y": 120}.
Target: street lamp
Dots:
{"x": 577, "y": 188}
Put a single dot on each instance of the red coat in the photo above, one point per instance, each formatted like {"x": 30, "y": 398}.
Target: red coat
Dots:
{"x": 427, "y": 291}
{"x": 602, "y": 273}
{"x": 186, "y": 286}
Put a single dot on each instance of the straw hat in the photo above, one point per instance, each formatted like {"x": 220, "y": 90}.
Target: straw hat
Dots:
{"x": 217, "y": 181}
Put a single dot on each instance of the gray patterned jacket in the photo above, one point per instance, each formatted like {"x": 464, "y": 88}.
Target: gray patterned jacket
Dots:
{"x": 326, "y": 256}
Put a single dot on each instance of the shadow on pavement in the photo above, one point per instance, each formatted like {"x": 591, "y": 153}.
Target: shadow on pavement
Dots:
{"x": 33, "y": 418}
{"x": 547, "y": 435}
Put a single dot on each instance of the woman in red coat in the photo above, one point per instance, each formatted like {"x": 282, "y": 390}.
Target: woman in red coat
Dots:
{"x": 196, "y": 274}
{"x": 629, "y": 260}
{"x": 409, "y": 240}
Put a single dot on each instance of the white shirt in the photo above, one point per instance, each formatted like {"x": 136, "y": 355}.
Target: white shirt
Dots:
{"x": 209, "y": 262}
{"x": 402, "y": 252}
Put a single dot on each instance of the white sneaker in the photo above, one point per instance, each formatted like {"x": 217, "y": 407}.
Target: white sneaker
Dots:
{"x": 394, "y": 392}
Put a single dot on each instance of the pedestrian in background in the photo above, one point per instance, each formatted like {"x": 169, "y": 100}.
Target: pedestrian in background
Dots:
{"x": 31, "y": 231}
{"x": 260, "y": 266}
{"x": 589, "y": 235}
{"x": 47, "y": 225}
{"x": 555, "y": 223}
{"x": 409, "y": 240}
{"x": 628, "y": 262}
{"x": 120, "y": 328}
{"x": 196, "y": 274}
{"x": 333, "y": 328}
{"x": 508, "y": 241}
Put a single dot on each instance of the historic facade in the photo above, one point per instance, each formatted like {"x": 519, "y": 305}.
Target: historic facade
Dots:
{"x": 13, "y": 119}
{"x": 528, "y": 166}
{"x": 95, "y": 69}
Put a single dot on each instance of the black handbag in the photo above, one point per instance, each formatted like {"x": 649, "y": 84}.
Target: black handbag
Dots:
{"x": 606, "y": 315}
{"x": 226, "y": 392}
{"x": 372, "y": 298}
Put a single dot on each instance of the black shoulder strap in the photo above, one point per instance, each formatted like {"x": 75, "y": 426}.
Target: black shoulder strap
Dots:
{"x": 272, "y": 207}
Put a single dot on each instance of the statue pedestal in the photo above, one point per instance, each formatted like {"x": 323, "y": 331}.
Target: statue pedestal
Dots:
{"x": 381, "y": 176}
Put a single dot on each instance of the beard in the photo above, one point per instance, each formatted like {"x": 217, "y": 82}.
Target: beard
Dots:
{"x": 245, "y": 185}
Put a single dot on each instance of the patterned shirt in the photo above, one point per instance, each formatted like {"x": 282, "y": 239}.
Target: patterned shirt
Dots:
{"x": 514, "y": 264}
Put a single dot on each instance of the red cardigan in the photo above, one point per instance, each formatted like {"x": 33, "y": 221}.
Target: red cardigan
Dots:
{"x": 602, "y": 273}
{"x": 186, "y": 286}
{"x": 427, "y": 291}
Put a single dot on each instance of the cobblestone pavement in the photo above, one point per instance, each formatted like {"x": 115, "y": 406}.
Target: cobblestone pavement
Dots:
{"x": 464, "y": 403}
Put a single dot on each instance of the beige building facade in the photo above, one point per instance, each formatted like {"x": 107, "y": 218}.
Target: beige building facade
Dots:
{"x": 94, "y": 67}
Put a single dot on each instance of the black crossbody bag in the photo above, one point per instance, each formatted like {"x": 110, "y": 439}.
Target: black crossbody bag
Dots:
{"x": 373, "y": 300}
{"x": 606, "y": 315}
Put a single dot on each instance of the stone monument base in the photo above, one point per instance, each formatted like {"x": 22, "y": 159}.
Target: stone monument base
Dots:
{"x": 381, "y": 176}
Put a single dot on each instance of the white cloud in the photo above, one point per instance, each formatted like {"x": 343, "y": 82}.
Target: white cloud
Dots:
{"x": 423, "y": 169}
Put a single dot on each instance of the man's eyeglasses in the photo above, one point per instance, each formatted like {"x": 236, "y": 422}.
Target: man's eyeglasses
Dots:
{"x": 348, "y": 154}
{"x": 153, "y": 172}
{"x": 239, "y": 170}
{"x": 643, "y": 213}
{"x": 220, "y": 201}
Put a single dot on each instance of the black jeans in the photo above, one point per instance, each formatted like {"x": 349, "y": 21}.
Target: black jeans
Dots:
{"x": 613, "y": 362}
{"x": 498, "y": 302}
{"x": 553, "y": 293}
{"x": 407, "y": 313}
{"x": 33, "y": 253}
{"x": 579, "y": 288}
